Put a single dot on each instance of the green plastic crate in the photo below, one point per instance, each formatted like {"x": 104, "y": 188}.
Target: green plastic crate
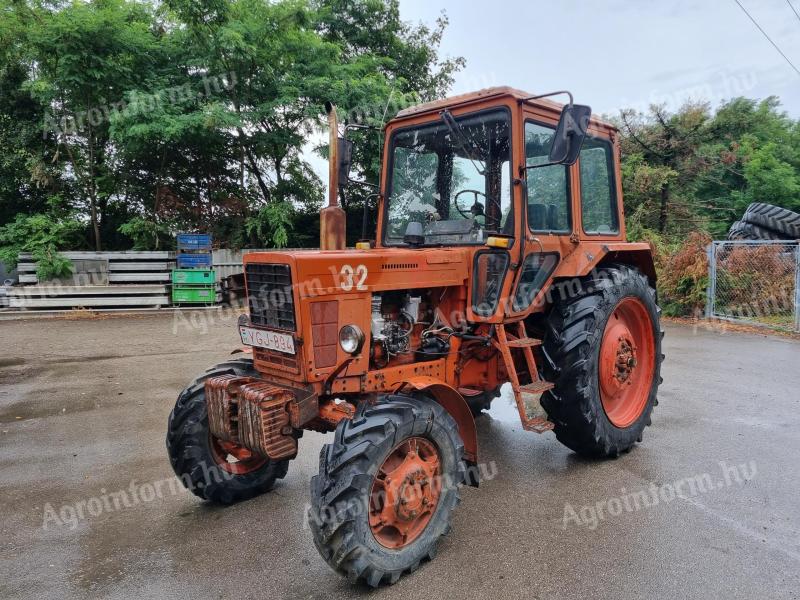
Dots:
{"x": 193, "y": 276}
{"x": 206, "y": 294}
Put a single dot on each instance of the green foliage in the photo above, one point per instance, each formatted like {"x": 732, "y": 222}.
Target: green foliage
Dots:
{"x": 272, "y": 224}
{"x": 688, "y": 175}
{"x": 696, "y": 169}
{"x": 82, "y": 57}
{"x": 681, "y": 266}
{"x": 771, "y": 179}
{"x": 50, "y": 264}
{"x": 42, "y": 235}
{"x": 146, "y": 234}
{"x": 196, "y": 114}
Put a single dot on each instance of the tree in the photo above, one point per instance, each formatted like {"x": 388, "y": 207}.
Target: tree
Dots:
{"x": 83, "y": 57}
{"x": 27, "y": 174}
{"x": 664, "y": 144}
{"x": 770, "y": 179}
{"x": 149, "y": 118}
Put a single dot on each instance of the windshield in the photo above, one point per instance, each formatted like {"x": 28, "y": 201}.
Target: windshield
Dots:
{"x": 451, "y": 183}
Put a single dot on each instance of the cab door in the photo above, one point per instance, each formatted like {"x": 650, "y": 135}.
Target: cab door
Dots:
{"x": 548, "y": 208}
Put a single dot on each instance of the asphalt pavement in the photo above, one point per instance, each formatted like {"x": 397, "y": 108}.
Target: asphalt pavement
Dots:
{"x": 706, "y": 507}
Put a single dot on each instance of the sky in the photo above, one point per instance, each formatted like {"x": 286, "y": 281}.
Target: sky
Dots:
{"x": 614, "y": 54}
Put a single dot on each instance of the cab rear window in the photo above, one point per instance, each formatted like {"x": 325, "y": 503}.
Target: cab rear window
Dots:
{"x": 598, "y": 189}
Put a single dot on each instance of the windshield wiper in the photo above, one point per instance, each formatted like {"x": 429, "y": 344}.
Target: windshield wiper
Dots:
{"x": 460, "y": 138}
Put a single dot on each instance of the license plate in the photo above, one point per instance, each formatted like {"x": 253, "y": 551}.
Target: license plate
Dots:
{"x": 267, "y": 339}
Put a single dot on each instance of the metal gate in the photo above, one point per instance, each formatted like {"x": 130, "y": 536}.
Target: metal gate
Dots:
{"x": 755, "y": 282}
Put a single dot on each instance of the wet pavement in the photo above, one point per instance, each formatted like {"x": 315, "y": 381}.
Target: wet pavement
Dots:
{"x": 706, "y": 507}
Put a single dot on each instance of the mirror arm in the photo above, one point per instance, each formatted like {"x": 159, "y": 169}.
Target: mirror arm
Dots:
{"x": 357, "y": 126}
{"x": 364, "y": 183}
{"x": 547, "y": 164}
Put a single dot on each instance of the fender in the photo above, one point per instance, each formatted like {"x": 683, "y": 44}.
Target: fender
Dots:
{"x": 599, "y": 254}
{"x": 453, "y": 403}
{"x": 637, "y": 255}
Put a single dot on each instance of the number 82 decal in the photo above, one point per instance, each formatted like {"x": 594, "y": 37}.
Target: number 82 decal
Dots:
{"x": 353, "y": 278}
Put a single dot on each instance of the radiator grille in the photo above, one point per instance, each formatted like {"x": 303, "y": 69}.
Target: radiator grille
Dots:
{"x": 270, "y": 297}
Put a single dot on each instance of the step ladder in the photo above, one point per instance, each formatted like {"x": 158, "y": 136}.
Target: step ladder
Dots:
{"x": 528, "y": 397}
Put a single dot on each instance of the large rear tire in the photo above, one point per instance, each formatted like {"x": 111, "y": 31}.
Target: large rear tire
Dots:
{"x": 214, "y": 470}
{"x": 605, "y": 348}
{"x": 781, "y": 220}
{"x": 386, "y": 489}
{"x": 742, "y": 230}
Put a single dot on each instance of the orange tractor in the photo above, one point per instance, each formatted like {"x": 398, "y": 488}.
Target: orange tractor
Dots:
{"x": 499, "y": 257}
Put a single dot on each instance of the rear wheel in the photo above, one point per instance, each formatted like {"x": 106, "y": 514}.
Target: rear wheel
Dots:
{"x": 605, "y": 345}
{"x": 386, "y": 489}
{"x": 211, "y": 468}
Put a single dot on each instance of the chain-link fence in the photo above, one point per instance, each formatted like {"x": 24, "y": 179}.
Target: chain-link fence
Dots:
{"x": 756, "y": 282}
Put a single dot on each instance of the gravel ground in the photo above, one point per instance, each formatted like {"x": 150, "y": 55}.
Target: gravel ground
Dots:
{"x": 83, "y": 409}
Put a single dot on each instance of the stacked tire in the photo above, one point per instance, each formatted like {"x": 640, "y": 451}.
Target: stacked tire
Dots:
{"x": 766, "y": 222}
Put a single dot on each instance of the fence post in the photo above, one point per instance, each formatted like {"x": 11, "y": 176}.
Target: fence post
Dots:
{"x": 797, "y": 288}
{"x": 711, "y": 290}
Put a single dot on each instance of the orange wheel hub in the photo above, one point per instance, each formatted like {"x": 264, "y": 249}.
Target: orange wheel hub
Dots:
{"x": 235, "y": 459}
{"x": 405, "y": 493}
{"x": 627, "y": 359}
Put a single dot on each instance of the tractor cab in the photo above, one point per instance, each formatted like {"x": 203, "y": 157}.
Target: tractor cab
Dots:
{"x": 454, "y": 170}
{"x": 519, "y": 181}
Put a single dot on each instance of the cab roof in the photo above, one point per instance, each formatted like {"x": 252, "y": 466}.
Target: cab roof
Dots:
{"x": 488, "y": 94}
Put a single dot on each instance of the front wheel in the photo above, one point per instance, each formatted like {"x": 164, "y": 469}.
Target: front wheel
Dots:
{"x": 213, "y": 469}
{"x": 386, "y": 489}
{"x": 605, "y": 348}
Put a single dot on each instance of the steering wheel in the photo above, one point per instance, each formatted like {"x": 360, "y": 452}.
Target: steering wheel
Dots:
{"x": 476, "y": 210}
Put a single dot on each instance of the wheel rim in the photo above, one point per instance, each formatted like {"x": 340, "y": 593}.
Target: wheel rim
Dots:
{"x": 627, "y": 356}
{"x": 235, "y": 459}
{"x": 405, "y": 493}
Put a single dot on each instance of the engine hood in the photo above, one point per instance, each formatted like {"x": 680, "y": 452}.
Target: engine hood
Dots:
{"x": 318, "y": 272}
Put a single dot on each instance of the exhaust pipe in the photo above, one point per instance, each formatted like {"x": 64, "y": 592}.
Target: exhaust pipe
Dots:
{"x": 332, "y": 217}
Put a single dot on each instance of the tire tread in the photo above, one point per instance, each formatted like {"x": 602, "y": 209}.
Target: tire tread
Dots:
{"x": 187, "y": 446}
{"x": 338, "y": 492}
{"x": 572, "y": 339}
{"x": 784, "y": 222}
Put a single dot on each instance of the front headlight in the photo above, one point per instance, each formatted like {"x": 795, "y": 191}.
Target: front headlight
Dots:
{"x": 351, "y": 339}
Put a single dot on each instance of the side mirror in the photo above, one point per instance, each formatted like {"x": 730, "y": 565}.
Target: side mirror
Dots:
{"x": 570, "y": 133}
{"x": 345, "y": 158}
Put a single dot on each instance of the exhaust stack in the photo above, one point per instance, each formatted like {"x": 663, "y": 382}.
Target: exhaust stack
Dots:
{"x": 332, "y": 217}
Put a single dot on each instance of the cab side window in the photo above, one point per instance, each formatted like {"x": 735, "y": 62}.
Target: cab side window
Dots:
{"x": 598, "y": 189}
{"x": 548, "y": 193}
